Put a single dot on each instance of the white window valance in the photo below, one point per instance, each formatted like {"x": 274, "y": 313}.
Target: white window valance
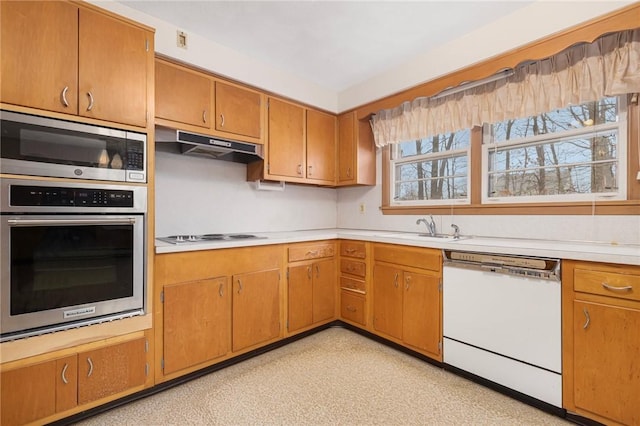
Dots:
{"x": 587, "y": 72}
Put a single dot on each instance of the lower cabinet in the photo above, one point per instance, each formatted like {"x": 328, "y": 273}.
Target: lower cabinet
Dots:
{"x": 34, "y": 392}
{"x": 197, "y": 322}
{"x": 311, "y": 289}
{"x": 256, "y": 308}
{"x": 407, "y": 297}
{"x": 601, "y": 341}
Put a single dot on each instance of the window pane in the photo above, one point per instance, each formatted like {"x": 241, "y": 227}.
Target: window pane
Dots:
{"x": 439, "y": 143}
{"x": 572, "y": 117}
{"x": 438, "y": 179}
{"x": 576, "y": 166}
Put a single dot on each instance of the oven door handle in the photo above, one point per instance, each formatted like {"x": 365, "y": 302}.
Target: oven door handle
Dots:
{"x": 45, "y": 222}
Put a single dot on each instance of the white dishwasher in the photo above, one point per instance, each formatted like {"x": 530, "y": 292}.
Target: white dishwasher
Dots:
{"x": 502, "y": 321}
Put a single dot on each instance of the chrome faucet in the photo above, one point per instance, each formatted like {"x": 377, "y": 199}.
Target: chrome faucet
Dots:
{"x": 431, "y": 225}
{"x": 456, "y": 231}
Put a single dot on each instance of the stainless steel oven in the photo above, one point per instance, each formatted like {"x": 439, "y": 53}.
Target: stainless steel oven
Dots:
{"x": 40, "y": 146}
{"x": 72, "y": 254}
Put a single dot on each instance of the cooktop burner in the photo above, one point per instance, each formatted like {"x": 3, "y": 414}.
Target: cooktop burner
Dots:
{"x": 205, "y": 238}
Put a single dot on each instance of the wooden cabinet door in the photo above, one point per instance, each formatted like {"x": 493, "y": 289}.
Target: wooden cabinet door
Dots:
{"x": 421, "y": 312}
{"x": 324, "y": 290}
{"x": 28, "y": 393}
{"x": 606, "y": 367}
{"x": 197, "y": 322}
{"x": 40, "y": 55}
{"x": 238, "y": 110}
{"x": 112, "y": 72}
{"x": 300, "y": 297}
{"x": 110, "y": 370}
{"x": 321, "y": 147}
{"x": 286, "y": 139}
{"x": 256, "y": 308}
{"x": 346, "y": 148}
{"x": 387, "y": 300}
{"x": 182, "y": 95}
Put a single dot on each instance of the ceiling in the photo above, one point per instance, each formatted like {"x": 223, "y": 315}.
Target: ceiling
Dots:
{"x": 334, "y": 44}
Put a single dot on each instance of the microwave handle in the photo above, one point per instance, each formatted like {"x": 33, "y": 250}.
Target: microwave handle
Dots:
{"x": 44, "y": 222}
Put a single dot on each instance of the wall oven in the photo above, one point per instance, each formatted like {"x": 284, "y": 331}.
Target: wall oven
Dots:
{"x": 41, "y": 146}
{"x": 72, "y": 254}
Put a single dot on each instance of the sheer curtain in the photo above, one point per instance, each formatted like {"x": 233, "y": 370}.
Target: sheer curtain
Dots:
{"x": 586, "y": 72}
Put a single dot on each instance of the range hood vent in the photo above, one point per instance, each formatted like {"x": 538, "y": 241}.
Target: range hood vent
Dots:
{"x": 219, "y": 149}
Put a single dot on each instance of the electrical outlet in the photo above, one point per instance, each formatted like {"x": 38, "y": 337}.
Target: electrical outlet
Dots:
{"x": 181, "y": 39}
{"x": 362, "y": 208}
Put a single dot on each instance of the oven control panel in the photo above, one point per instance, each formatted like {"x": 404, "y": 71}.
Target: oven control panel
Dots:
{"x": 57, "y": 196}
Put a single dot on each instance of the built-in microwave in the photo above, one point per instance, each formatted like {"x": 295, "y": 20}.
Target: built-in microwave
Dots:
{"x": 71, "y": 254}
{"x": 41, "y": 146}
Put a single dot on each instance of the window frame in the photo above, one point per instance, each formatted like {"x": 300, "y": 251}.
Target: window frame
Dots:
{"x": 621, "y": 125}
{"x": 394, "y": 161}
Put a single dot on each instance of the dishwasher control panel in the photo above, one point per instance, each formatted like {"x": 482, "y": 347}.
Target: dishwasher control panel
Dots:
{"x": 535, "y": 267}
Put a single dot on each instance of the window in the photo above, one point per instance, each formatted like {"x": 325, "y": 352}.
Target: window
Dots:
{"x": 571, "y": 154}
{"x": 433, "y": 170}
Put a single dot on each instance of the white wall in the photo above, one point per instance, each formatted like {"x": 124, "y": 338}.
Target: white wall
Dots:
{"x": 619, "y": 229}
{"x": 201, "y": 195}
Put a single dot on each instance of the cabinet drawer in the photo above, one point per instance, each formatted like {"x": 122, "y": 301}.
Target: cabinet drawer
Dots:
{"x": 353, "y": 249}
{"x": 311, "y": 251}
{"x": 352, "y": 307}
{"x": 351, "y": 284}
{"x": 608, "y": 283}
{"x": 409, "y": 256}
{"x": 353, "y": 267}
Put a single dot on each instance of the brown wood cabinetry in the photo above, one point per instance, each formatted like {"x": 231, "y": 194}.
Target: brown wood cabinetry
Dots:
{"x": 197, "y": 322}
{"x": 183, "y": 95}
{"x": 353, "y": 285}
{"x": 80, "y": 61}
{"x": 601, "y": 341}
{"x": 407, "y": 297}
{"x": 192, "y": 100}
{"x": 33, "y": 392}
{"x": 356, "y": 151}
{"x": 256, "y": 308}
{"x": 301, "y": 145}
{"x": 311, "y": 285}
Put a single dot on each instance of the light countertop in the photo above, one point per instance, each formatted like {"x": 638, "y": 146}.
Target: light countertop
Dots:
{"x": 628, "y": 254}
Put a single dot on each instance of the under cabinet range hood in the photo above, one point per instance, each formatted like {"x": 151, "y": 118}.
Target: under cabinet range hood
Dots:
{"x": 219, "y": 149}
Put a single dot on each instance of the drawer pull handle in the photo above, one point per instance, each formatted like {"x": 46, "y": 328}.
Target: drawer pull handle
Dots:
{"x": 350, "y": 250}
{"x": 587, "y": 318}
{"x": 312, "y": 253}
{"x": 614, "y": 288}
{"x": 64, "y": 372}
{"x": 90, "y": 367}
{"x": 351, "y": 308}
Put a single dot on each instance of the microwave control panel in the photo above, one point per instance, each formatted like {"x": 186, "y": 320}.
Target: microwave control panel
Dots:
{"x": 56, "y": 196}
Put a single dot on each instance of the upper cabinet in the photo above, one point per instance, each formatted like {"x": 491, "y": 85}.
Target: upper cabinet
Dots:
{"x": 301, "y": 145}
{"x": 80, "y": 61}
{"x": 356, "y": 151}
{"x": 182, "y": 95}
{"x": 194, "y": 101}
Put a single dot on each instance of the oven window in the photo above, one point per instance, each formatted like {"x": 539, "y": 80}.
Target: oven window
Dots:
{"x": 63, "y": 266}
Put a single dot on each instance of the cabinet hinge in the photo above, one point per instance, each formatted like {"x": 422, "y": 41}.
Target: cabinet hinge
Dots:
{"x": 162, "y": 296}
{"x": 146, "y": 45}
{"x": 287, "y": 274}
{"x": 146, "y": 369}
{"x": 268, "y": 168}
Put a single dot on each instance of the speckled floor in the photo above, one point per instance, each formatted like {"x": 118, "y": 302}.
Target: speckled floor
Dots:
{"x": 335, "y": 377}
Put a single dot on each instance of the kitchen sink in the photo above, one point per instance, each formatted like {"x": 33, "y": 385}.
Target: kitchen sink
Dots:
{"x": 421, "y": 236}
